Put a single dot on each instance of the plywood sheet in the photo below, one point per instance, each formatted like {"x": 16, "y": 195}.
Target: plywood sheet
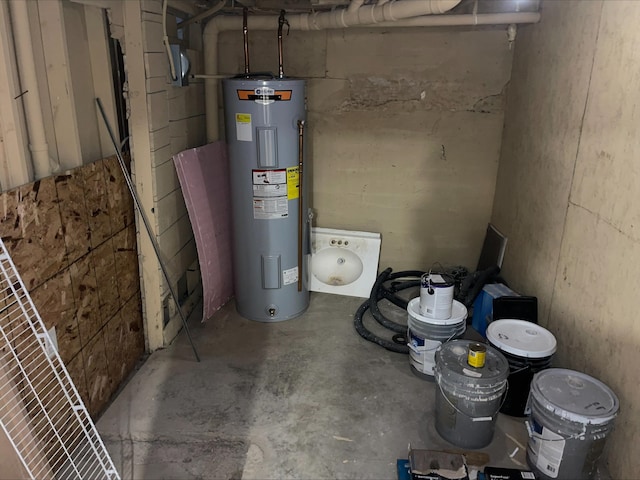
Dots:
{"x": 97, "y": 373}
{"x": 75, "y": 367}
{"x": 118, "y": 195}
{"x": 124, "y": 339}
{"x": 126, "y": 255}
{"x": 73, "y": 214}
{"x": 114, "y": 337}
{"x": 55, "y": 303}
{"x": 204, "y": 177}
{"x": 95, "y": 192}
{"x": 85, "y": 287}
{"x": 104, "y": 263}
{"x": 31, "y": 228}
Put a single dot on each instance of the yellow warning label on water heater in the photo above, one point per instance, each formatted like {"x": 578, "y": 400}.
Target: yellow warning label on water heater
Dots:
{"x": 293, "y": 183}
{"x": 243, "y": 127}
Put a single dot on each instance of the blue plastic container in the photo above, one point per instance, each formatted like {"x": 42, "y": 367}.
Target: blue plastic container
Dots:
{"x": 483, "y": 305}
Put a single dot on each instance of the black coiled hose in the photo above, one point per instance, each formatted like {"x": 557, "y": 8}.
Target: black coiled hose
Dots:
{"x": 378, "y": 292}
{"x": 467, "y": 289}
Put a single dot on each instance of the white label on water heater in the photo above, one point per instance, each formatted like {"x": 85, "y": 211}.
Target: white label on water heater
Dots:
{"x": 270, "y": 194}
{"x": 243, "y": 127}
{"x": 270, "y": 177}
{"x": 269, "y": 190}
{"x": 290, "y": 276}
{"x": 270, "y": 208}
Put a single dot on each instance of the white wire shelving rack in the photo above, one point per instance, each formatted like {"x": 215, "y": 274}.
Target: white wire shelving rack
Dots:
{"x": 41, "y": 411}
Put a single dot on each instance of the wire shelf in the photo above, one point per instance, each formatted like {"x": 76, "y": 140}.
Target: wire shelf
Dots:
{"x": 41, "y": 411}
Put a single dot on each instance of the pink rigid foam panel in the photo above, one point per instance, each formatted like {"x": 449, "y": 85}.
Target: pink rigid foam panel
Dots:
{"x": 204, "y": 177}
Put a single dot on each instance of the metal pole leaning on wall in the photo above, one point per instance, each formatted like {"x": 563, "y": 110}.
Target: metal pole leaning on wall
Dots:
{"x": 145, "y": 220}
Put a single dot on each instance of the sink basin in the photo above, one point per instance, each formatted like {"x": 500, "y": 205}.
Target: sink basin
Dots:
{"x": 336, "y": 266}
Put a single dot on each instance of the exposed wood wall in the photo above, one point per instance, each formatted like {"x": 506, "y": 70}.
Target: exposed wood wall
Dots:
{"x": 164, "y": 121}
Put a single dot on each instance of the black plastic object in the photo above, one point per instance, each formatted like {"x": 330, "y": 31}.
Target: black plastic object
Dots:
{"x": 388, "y": 284}
{"x": 472, "y": 285}
{"x": 378, "y": 292}
{"x": 493, "y": 249}
{"x": 518, "y": 308}
{"x": 497, "y": 473}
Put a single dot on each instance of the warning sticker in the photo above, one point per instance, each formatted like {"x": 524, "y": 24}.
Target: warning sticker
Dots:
{"x": 270, "y": 208}
{"x": 270, "y": 194}
{"x": 276, "y": 190}
{"x": 293, "y": 183}
{"x": 243, "y": 127}
{"x": 269, "y": 177}
{"x": 290, "y": 276}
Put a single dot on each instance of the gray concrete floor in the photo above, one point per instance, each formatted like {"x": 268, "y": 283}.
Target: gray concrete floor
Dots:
{"x": 302, "y": 399}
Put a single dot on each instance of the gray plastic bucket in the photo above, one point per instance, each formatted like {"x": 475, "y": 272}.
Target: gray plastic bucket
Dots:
{"x": 467, "y": 398}
{"x": 426, "y": 334}
{"x": 571, "y": 416}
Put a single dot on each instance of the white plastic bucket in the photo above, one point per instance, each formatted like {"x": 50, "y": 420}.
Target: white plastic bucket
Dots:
{"x": 436, "y": 296}
{"x": 529, "y": 349}
{"x": 426, "y": 334}
{"x": 571, "y": 416}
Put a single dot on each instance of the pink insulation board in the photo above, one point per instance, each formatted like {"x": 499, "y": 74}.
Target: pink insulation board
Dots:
{"x": 204, "y": 177}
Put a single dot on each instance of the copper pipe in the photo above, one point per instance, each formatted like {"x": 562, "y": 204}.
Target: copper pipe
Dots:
{"x": 281, "y": 22}
{"x": 245, "y": 34}
{"x": 300, "y": 203}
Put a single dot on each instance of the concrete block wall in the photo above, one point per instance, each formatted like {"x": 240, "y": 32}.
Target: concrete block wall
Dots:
{"x": 567, "y": 194}
{"x": 404, "y": 131}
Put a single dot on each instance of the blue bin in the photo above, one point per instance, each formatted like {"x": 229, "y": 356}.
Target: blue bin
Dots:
{"x": 483, "y": 305}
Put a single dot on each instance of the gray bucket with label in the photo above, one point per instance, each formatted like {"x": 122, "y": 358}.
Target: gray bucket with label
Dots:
{"x": 468, "y": 398}
{"x": 426, "y": 334}
{"x": 571, "y": 416}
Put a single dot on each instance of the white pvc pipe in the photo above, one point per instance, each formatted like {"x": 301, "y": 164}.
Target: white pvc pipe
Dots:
{"x": 304, "y": 22}
{"x": 203, "y": 15}
{"x": 29, "y": 84}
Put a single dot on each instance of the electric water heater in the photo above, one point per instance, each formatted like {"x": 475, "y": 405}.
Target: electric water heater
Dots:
{"x": 264, "y": 122}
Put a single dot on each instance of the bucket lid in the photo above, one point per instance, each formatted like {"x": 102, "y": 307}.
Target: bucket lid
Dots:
{"x": 452, "y": 361}
{"x": 521, "y": 338}
{"x": 458, "y": 313}
{"x": 574, "y": 396}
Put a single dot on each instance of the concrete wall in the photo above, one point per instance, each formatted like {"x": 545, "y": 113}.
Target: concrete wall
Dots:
{"x": 405, "y": 130}
{"x": 567, "y": 194}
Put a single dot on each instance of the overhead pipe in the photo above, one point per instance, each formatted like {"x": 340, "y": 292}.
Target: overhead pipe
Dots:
{"x": 281, "y": 22}
{"x": 245, "y": 40}
{"x": 202, "y": 16}
{"x": 43, "y": 165}
{"x": 329, "y": 20}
